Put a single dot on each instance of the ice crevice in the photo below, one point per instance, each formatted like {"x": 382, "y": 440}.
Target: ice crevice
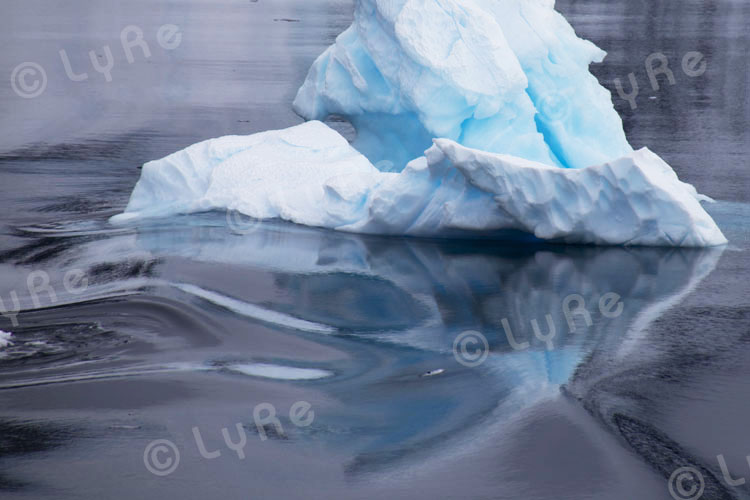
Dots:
{"x": 472, "y": 116}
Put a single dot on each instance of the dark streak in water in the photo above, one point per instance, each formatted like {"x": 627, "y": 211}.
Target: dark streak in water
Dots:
{"x": 666, "y": 455}
{"x": 92, "y": 150}
{"x": 43, "y": 249}
{"x": 20, "y": 438}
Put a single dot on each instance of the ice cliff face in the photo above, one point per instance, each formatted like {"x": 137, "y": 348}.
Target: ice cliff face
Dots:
{"x": 503, "y": 76}
{"x": 481, "y": 116}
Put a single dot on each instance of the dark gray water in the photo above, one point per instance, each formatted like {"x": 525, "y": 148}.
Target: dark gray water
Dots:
{"x": 149, "y": 333}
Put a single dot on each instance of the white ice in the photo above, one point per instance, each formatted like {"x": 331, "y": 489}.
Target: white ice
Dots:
{"x": 480, "y": 115}
{"x": 5, "y": 339}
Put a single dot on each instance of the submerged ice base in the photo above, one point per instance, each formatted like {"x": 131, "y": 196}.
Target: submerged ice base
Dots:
{"x": 310, "y": 175}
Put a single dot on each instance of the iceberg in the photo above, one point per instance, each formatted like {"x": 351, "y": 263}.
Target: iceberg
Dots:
{"x": 472, "y": 116}
{"x": 309, "y": 174}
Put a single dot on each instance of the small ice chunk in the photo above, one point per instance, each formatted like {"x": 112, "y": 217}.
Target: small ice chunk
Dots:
{"x": 5, "y": 339}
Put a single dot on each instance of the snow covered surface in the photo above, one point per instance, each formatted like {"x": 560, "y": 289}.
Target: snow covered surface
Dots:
{"x": 307, "y": 174}
{"x": 480, "y": 116}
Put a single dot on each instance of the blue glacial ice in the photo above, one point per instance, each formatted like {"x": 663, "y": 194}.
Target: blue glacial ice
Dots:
{"x": 505, "y": 76}
{"x": 471, "y": 115}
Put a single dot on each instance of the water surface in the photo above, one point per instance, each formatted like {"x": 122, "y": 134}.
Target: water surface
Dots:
{"x": 193, "y": 322}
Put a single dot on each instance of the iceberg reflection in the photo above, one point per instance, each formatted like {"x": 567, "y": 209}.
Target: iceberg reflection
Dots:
{"x": 397, "y": 305}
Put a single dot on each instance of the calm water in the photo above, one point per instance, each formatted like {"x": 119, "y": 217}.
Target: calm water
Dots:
{"x": 187, "y": 325}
